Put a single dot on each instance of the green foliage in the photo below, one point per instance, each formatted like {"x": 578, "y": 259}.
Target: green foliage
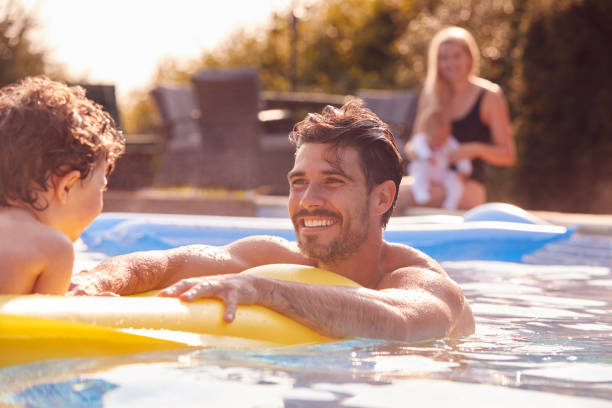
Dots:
{"x": 493, "y": 23}
{"x": 565, "y": 99}
{"x": 141, "y": 115}
{"x": 351, "y": 44}
{"x": 18, "y": 58}
{"x": 553, "y": 59}
{"x": 346, "y": 45}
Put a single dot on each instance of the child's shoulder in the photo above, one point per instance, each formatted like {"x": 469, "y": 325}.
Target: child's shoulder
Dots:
{"x": 34, "y": 257}
{"x": 19, "y": 228}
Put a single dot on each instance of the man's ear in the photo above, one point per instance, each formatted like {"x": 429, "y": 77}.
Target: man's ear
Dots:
{"x": 382, "y": 196}
{"x": 63, "y": 185}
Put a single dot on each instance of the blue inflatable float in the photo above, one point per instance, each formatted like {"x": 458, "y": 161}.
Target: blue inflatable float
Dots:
{"x": 494, "y": 231}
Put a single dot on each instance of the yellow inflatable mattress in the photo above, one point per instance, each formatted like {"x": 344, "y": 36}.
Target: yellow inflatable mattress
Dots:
{"x": 38, "y": 327}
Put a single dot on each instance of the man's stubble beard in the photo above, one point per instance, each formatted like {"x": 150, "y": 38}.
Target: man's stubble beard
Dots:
{"x": 340, "y": 248}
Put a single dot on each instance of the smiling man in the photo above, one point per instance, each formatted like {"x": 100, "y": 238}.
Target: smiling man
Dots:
{"x": 343, "y": 188}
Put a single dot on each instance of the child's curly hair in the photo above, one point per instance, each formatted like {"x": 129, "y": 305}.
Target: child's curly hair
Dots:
{"x": 46, "y": 129}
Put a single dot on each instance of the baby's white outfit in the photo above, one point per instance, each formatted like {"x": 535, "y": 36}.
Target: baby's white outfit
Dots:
{"x": 433, "y": 165}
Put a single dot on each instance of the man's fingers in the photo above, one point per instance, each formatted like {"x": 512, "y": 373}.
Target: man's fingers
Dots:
{"x": 178, "y": 288}
{"x": 83, "y": 292}
{"x": 190, "y": 289}
{"x": 230, "y": 309}
{"x": 111, "y": 294}
{"x": 204, "y": 288}
{"x": 196, "y": 288}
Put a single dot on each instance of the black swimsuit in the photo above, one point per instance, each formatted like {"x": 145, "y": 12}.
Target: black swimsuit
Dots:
{"x": 471, "y": 129}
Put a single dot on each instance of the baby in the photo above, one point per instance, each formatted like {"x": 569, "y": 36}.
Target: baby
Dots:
{"x": 432, "y": 165}
{"x": 56, "y": 149}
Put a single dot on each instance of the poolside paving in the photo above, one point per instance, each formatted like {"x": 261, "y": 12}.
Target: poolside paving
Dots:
{"x": 591, "y": 244}
{"x": 249, "y": 205}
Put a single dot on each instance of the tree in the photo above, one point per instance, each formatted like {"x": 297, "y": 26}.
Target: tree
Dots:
{"x": 18, "y": 57}
{"x": 347, "y": 45}
{"x": 551, "y": 57}
{"x": 564, "y": 97}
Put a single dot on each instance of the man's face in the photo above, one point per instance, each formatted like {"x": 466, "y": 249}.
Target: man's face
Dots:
{"x": 328, "y": 202}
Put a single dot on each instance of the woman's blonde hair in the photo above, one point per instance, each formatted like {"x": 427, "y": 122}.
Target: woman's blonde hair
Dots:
{"x": 436, "y": 90}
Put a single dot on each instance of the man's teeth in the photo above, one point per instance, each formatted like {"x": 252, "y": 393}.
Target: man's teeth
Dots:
{"x": 318, "y": 223}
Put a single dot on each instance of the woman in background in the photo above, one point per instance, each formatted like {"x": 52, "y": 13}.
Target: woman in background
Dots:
{"x": 478, "y": 111}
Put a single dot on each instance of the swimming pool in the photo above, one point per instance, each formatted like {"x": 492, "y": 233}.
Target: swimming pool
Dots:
{"x": 544, "y": 336}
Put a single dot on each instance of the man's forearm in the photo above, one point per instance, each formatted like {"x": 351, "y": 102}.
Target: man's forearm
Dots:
{"x": 350, "y": 312}
{"x": 124, "y": 274}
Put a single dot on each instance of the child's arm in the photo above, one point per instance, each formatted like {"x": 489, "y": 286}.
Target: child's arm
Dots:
{"x": 420, "y": 147}
{"x": 55, "y": 277}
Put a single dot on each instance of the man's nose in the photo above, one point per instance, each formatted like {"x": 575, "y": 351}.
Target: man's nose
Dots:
{"x": 312, "y": 196}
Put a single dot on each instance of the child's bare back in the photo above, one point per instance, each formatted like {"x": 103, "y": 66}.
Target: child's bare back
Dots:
{"x": 34, "y": 257}
{"x": 56, "y": 150}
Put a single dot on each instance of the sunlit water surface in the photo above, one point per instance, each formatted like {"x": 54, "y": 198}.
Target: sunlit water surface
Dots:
{"x": 544, "y": 336}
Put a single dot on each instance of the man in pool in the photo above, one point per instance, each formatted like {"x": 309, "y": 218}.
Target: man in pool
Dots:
{"x": 343, "y": 188}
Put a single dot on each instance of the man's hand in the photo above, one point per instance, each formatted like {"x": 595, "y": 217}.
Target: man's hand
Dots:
{"x": 82, "y": 284}
{"x": 232, "y": 289}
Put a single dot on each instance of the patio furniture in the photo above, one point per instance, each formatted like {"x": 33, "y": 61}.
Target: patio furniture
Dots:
{"x": 396, "y": 108}
{"x": 249, "y": 144}
{"x": 182, "y": 142}
{"x": 179, "y": 117}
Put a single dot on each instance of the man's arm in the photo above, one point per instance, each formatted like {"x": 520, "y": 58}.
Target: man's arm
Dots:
{"x": 429, "y": 309}
{"x": 411, "y": 304}
{"x": 143, "y": 271}
{"x": 124, "y": 274}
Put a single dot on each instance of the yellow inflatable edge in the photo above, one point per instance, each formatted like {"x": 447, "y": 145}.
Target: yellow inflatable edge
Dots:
{"x": 38, "y": 327}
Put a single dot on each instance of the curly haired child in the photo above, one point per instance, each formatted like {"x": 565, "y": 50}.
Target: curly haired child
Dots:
{"x": 56, "y": 150}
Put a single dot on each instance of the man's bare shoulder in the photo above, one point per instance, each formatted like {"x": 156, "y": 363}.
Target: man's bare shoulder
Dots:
{"x": 412, "y": 269}
{"x": 399, "y": 256}
{"x": 267, "y": 249}
{"x": 418, "y": 273}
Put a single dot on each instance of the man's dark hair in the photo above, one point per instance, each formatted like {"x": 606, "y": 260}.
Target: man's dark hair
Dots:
{"x": 46, "y": 129}
{"x": 352, "y": 125}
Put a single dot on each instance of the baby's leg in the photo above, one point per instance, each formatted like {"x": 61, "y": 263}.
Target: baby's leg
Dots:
{"x": 453, "y": 185}
{"x": 419, "y": 170}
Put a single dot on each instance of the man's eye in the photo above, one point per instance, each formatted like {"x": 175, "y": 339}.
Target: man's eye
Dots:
{"x": 334, "y": 181}
{"x": 298, "y": 182}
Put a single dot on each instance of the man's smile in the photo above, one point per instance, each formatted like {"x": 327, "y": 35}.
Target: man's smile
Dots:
{"x": 317, "y": 222}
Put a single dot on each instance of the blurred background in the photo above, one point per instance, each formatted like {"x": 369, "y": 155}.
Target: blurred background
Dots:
{"x": 168, "y": 71}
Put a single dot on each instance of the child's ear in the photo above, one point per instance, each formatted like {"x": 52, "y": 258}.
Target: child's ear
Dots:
{"x": 383, "y": 196}
{"x": 63, "y": 185}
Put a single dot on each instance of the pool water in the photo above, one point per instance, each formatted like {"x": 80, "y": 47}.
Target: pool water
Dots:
{"x": 544, "y": 336}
